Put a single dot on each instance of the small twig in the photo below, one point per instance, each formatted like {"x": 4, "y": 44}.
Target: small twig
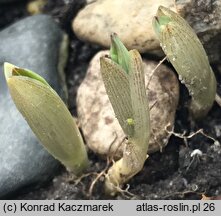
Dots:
{"x": 182, "y": 136}
{"x": 156, "y": 141}
{"x": 99, "y": 175}
{"x": 96, "y": 179}
{"x": 111, "y": 154}
{"x": 218, "y": 99}
{"x": 153, "y": 71}
{"x": 153, "y": 105}
{"x": 78, "y": 180}
{"x": 126, "y": 191}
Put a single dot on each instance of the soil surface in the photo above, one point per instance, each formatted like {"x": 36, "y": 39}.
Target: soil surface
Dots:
{"x": 170, "y": 174}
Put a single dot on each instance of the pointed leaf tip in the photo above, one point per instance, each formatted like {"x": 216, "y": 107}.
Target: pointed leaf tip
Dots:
{"x": 119, "y": 53}
{"x": 8, "y": 68}
{"x": 181, "y": 45}
{"x": 47, "y": 116}
{"x": 160, "y": 20}
{"x": 11, "y": 70}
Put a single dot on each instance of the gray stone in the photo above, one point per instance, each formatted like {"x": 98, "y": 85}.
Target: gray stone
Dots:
{"x": 132, "y": 21}
{"x": 96, "y": 117}
{"x": 32, "y": 43}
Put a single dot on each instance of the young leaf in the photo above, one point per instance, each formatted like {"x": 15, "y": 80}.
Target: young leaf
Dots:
{"x": 117, "y": 86}
{"x": 187, "y": 55}
{"x": 119, "y": 53}
{"x": 47, "y": 116}
{"x": 123, "y": 78}
{"x": 139, "y": 100}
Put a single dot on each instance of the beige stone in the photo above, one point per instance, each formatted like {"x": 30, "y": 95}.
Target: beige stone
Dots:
{"x": 101, "y": 129}
{"x": 130, "y": 19}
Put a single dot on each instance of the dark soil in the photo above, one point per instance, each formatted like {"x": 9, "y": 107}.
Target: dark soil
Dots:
{"x": 171, "y": 174}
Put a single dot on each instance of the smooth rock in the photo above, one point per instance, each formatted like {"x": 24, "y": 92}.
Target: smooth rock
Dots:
{"x": 132, "y": 21}
{"x": 101, "y": 129}
{"x": 33, "y": 43}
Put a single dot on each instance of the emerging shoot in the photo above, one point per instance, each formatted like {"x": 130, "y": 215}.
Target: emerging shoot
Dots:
{"x": 47, "y": 116}
{"x": 123, "y": 78}
{"x": 188, "y": 57}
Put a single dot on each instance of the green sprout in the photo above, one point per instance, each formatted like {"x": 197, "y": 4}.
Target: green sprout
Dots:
{"x": 119, "y": 53}
{"x": 123, "y": 77}
{"x": 187, "y": 55}
{"x": 47, "y": 116}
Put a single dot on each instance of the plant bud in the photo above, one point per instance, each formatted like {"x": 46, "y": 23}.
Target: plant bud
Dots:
{"x": 47, "y": 116}
{"x": 188, "y": 57}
